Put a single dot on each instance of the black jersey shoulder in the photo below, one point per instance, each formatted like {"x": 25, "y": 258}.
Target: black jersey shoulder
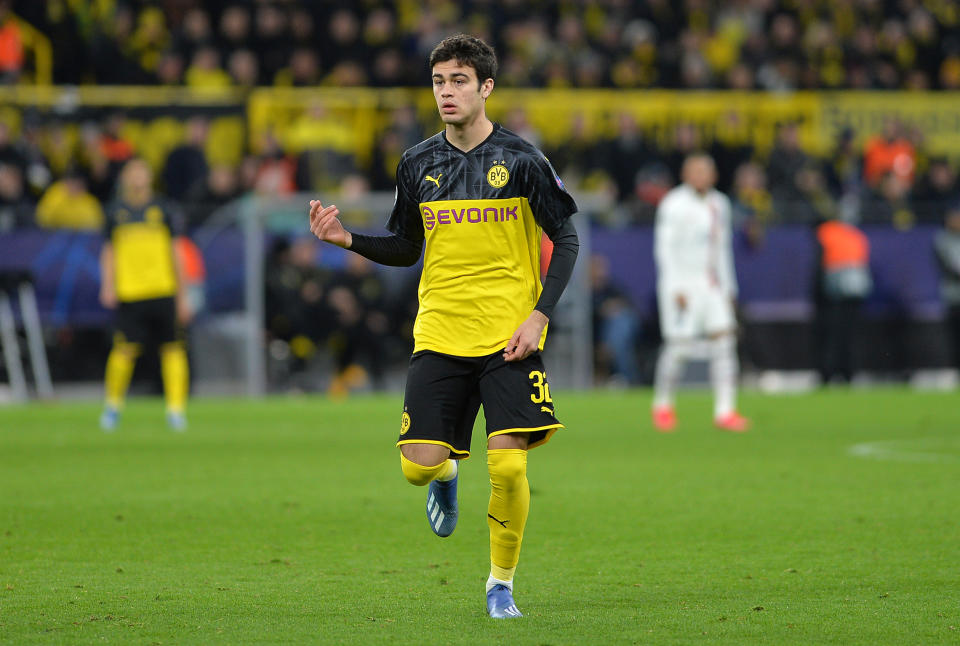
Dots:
{"x": 423, "y": 151}
{"x": 158, "y": 210}
{"x": 513, "y": 142}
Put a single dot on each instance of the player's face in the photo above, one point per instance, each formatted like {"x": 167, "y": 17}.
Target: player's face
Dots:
{"x": 700, "y": 174}
{"x": 460, "y": 96}
{"x": 136, "y": 180}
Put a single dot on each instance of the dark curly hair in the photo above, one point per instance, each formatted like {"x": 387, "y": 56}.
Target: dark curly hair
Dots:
{"x": 467, "y": 50}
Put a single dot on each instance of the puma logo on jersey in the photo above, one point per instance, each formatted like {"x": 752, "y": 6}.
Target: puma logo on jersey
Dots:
{"x": 546, "y": 409}
{"x": 435, "y": 180}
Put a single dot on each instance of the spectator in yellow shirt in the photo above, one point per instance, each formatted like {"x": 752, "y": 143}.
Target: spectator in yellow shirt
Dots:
{"x": 67, "y": 204}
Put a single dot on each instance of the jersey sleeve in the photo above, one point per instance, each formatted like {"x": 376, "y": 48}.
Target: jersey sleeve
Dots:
{"x": 405, "y": 220}
{"x": 549, "y": 200}
{"x": 665, "y": 236}
{"x": 726, "y": 269}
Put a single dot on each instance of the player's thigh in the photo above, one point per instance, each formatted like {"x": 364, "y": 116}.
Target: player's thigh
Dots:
{"x": 440, "y": 403}
{"x": 132, "y": 323}
{"x": 163, "y": 321}
{"x": 676, "y": 321}
{"x": 718, "y": 314}
{"x": 517, "y": 399}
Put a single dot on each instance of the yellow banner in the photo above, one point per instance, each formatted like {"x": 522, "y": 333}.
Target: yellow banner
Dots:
{"x": 352, "y": 120}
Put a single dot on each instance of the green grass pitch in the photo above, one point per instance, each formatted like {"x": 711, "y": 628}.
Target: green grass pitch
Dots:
{"x": 834, "y": 521}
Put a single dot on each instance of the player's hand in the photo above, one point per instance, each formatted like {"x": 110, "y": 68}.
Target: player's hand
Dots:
{"x": 108, "y": 298}
{"x": 681, "y": 300}
{"x": 184, "y": 311}
{"x": 526, "y": 340}
{"x": 325, "y": 225}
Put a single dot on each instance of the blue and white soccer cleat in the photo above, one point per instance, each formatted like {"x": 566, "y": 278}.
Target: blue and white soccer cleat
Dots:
{"x": 442, "y": 506}
{"x": 500, "y": 604}
{"x": 177, "y": 422}
{"x": 109, "y": 419}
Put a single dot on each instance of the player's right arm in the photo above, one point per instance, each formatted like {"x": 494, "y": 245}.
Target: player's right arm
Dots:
{"x": 401, "y": 249}
{"x": 393, "y": 250}
{"x": 108, "y": 291}
{"x": 325, "y": 225}
{"x": 664, "y": 244}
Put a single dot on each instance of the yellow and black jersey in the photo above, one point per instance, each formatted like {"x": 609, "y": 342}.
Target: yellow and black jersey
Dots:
{"x": 482, "y": 214}
{"x": 142, "y": 240}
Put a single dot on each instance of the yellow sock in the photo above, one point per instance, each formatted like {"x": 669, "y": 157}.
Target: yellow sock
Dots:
{"x": 120, "y": 363}
{"x": 176, "y": 376}
{"x": 509, "y": 506}
{"x": 420, "y": 475}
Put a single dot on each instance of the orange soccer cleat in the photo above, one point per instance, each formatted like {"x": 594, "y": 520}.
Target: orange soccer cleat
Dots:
{"x": 733, "y": 422}
{"x": 664, "y": 419}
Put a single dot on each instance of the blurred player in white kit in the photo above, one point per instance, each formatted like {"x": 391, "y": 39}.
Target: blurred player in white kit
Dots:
{"x": 696, "y": 289}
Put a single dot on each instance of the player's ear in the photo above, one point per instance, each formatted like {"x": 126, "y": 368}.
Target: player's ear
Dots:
{"x": 486, "y": 88}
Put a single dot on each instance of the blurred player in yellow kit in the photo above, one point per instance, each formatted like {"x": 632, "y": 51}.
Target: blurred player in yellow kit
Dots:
{"x": 141, "y": 278}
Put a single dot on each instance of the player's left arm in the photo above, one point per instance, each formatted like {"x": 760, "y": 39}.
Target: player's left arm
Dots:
{"x": 526, "y": 339}
{"x": 108, "y": 282}
{"x": 552, "y": 207}
{"x": 176, "y": 222}
{"x": 727, "y": 269}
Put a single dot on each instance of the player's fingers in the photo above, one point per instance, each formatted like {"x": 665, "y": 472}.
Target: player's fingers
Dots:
{"x": 511, "y": 351}
{"x": 326, "y": 213}
{"x": 523, "y": 351}
{"x": 315, "y": 206}
{"x": 323, "y": 221}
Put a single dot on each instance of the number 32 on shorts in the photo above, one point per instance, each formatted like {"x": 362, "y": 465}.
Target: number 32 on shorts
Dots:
{"x": 542, "y": 394}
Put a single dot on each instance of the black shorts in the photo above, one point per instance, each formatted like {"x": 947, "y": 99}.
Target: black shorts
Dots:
{"x": 444, "y": 394}
{"x": 148, "y": 322}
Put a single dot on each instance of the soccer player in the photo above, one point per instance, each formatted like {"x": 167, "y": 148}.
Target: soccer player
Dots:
{"x": 479, "y": 198}
{"x": 696, "y": 288}
{"x": 141, "y": 278}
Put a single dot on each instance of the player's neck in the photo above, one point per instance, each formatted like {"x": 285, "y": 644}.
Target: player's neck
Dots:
{"x": 468, "y": 136}
{"x": 137, "y": 200}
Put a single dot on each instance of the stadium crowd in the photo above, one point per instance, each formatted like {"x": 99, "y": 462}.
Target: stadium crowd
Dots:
{"x": 891, "y": 179}
{"x": 746, "y": 44}
{"x": 750, "y": 44}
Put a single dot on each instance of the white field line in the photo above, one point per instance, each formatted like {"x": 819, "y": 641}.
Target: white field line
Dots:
{"x": 925, "y": 450}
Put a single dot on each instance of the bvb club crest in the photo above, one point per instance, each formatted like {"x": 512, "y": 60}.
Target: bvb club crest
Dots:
{"x": 498, "y": 176}
{"x": 404, "y": 423}
{"x": 154, "y": 215}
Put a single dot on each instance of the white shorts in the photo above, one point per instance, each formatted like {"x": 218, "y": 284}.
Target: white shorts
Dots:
{"x": 708, "y": 311}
